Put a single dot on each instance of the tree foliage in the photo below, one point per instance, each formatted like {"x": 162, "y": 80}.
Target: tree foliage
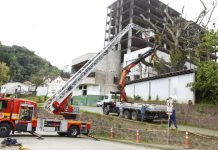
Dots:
{"x": 43, "y": 75}
{"x": 208, "y": 45}
{"x": 64, "y": 74}
{"x": 4, "y": 73}
{"x": 24, "y": 64}
{"x": 206, "y": 82}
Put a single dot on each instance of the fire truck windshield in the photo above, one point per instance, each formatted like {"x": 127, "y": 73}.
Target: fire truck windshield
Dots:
{"x": 3, "y": 105}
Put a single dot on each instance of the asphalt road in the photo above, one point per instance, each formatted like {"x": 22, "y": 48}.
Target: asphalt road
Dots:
{"x": 54, "y": 142}
{"x": 92, "y": 109}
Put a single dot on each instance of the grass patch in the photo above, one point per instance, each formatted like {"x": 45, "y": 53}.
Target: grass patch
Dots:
{"x": 40, "y": 104}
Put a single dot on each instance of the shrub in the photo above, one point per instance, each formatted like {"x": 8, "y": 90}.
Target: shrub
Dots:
{"x": 137, "y": 98}
{"x": 157, "y": 98}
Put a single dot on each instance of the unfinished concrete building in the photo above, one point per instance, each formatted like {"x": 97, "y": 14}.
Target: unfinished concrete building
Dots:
{"x": 123, "y": 12}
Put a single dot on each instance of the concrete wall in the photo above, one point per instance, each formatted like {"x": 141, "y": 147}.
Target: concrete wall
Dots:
{"x": 113, "y": 69}
{"x": 164, "y": 88}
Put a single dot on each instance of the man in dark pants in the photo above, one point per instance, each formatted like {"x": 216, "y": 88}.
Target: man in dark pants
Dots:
{"x": 143, "y": 109}
{"x": 173, "y": 118}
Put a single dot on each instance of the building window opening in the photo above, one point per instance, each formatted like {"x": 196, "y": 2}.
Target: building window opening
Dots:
{"x": 84, "y": 92}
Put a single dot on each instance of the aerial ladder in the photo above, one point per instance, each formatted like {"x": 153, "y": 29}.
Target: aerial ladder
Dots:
{"x": 57, "y": 104}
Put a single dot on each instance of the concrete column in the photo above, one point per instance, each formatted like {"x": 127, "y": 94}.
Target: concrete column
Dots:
{"x": 109, "y": 30}
{"x": 129, "y": 44}
{"x": 105, "y": 35}
{"x": 120, "y": 20}
{"x": 112, "y": 60}
{"x": 117, "y": 19}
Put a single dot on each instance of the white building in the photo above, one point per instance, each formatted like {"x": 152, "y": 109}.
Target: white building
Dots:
{"x": 145, "y": 82}
{"x": 11, "y": 87}
{"x": 51, "y": 88}
{"x": 163, "y": 86}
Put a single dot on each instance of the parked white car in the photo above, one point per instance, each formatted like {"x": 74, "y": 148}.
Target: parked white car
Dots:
{"x": 99, "y": 103}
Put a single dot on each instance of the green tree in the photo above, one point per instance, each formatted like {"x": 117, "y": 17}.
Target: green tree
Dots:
{"x": 37, "y": 80}
{"x": 206, "y": 82}
{"x": 4, "y": 73}
{"x": 64, "y": 74}
{"x": 208, "y": 45}
{"x": 47, "y": 72}
{"x": 23, "y": 63}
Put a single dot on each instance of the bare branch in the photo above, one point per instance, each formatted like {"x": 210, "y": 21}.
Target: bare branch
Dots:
{"x": 148, "y": 21}
{"x": 205, "y": 8}
{"x": 182, "y": 10}
{"x": 202, "y": 13}
{"x": 211, "y": 13}
{"x": 171, "y": 32}
{"x": 188, "y": 23}
{"x": 168, "y": 16}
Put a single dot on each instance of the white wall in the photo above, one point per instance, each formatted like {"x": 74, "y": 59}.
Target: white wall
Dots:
{"x": 91, "y": 90}
{"x": 9, "y": 88}
{"x": 42, "y": 91}
{"x": 164, "y": 88}
{"x": 51, "y": 88}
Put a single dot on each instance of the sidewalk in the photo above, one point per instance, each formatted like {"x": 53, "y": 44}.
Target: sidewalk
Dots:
{"x": 197, "y": 130}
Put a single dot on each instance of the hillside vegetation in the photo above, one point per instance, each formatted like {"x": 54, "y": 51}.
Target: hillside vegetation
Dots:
{"x": 24, "y": 64}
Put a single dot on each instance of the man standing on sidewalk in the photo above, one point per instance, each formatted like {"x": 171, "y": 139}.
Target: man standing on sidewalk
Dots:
{"x": 143, "y": 109}
{"x": 173, "y": 118}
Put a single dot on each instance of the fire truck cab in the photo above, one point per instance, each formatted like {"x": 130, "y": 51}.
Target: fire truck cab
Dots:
{"x": 17, "y": 115}
{"x": 21, "y": 115}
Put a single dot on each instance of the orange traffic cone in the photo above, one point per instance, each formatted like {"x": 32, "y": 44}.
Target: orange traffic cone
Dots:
{"x": 137, "y": 136}
{"x": 186, "y": 141}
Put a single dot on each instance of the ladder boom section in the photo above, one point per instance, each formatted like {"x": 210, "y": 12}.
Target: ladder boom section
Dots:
{"x": 74, "y": 81}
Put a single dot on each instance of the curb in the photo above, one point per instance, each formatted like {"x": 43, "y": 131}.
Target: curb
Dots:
{"x": 163, "y": 147}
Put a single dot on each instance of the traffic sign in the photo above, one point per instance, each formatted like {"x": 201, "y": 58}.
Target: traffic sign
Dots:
{"x": 169, "y": 106}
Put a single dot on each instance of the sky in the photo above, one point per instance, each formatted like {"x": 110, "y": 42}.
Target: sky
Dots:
{"x": 61, "y": 30}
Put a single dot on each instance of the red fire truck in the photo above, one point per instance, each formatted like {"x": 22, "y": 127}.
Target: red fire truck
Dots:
{"x": 21, "y": 115}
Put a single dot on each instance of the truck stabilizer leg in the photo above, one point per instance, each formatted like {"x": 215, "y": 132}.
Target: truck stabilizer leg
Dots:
{"x": 39, "y": 137}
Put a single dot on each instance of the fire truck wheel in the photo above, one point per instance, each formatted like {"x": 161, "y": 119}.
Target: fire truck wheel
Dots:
{"x": 5, "y": 129}
{"x": 73, "y": 131}
{"x": 62, "y": 133}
